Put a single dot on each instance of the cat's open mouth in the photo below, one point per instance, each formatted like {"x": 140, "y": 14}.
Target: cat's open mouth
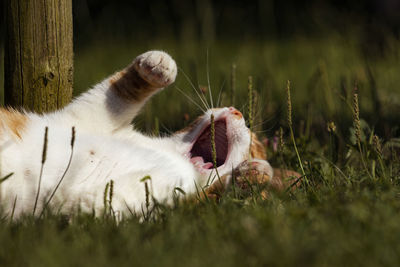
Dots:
{"x": 201, "y": 152}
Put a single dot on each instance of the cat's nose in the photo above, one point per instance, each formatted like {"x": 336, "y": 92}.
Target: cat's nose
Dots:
{"x": 235, "y": 113}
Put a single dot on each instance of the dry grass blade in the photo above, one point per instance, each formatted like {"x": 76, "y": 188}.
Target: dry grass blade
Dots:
{"x": 65, "y": 172}
{"x": 44, "y": 156}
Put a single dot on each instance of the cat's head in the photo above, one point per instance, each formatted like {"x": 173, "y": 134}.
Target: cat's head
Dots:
{"x": 232, "y": 141}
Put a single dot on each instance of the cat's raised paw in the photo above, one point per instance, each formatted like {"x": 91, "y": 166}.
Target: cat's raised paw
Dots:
{"x": 156, "y": 67}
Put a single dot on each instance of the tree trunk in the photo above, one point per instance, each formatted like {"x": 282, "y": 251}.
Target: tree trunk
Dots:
{"x": 38, "y": 54}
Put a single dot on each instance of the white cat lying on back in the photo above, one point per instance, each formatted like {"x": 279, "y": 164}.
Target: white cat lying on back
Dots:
{"x": 106, "y": 148}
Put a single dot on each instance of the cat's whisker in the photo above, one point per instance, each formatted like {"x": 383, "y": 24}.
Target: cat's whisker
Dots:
{"x": 266, "y": 130}
{"x": 188, "y": 97}
{"x": 219, "y": 94}
{"x": 243, "y": 107}
{"x": 166, "y": 129}
{"x": 243, "y": 110}
{"x": 202, "y": 98}
{"x": 257, "y": 115}
{"x": 262, "y": 122}
{"x": 271, "y": 127}
{"x": 209, "y": 84}
{"x": 271, "y": 117}
{"x": 260, "y": 132}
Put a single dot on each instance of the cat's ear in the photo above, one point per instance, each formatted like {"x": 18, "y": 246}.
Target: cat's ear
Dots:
{"x": 13, "y": 121}
{"x": 257, "y": 149}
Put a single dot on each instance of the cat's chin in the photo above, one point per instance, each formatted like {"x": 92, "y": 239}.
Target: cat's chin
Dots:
{"x": 201, "y": 152}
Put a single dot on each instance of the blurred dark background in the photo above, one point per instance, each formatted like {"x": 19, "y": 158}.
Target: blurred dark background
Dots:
{"x": 207, "y": 19}
{"x": 327, "y": 48}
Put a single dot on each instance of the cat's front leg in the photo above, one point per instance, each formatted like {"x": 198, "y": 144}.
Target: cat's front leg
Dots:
{"x": 149, "y": 73}
{"x": 113, "y": 103}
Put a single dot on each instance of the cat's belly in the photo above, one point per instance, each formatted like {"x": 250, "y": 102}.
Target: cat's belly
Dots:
{"x": 96, "y": 160}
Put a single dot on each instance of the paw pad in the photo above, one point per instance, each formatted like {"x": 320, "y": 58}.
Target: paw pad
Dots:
{"x": 156, "y": 67}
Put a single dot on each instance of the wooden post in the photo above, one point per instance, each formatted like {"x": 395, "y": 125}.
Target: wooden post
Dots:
{"x": 38, "y": 54}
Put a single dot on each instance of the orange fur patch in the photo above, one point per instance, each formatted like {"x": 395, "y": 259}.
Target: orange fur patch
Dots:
{"x": 257, "y": 149}
{"x": 13, "y": 120}
{"x": 286, "y": 177}
{"x": 128, "y": 85}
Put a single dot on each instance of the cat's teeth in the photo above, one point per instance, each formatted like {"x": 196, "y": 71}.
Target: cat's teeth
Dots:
{"x": 197, "y": 160}
{"x": 208, "y": 165}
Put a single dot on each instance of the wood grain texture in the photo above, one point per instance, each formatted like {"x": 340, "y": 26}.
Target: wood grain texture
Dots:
{"x": 38, "y": 54}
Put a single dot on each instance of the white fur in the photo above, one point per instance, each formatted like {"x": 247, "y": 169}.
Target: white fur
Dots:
{"x": 106, "y": 148}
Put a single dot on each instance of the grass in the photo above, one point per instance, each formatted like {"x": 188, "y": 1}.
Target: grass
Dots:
{"x": 347, "y": 213}
{"x": 351, "y": 225}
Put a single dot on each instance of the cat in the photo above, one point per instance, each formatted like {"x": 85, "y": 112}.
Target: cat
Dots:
{"x": 91, "y": 142}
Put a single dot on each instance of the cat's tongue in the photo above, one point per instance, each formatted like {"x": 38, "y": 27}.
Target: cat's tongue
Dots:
{"x": 208, "y": 165}
{"x": 199, "y": 162}
{"x": 203, "y": 148}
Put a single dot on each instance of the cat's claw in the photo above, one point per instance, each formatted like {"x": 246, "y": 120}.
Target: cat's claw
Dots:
{"x": 156, "y": 67}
